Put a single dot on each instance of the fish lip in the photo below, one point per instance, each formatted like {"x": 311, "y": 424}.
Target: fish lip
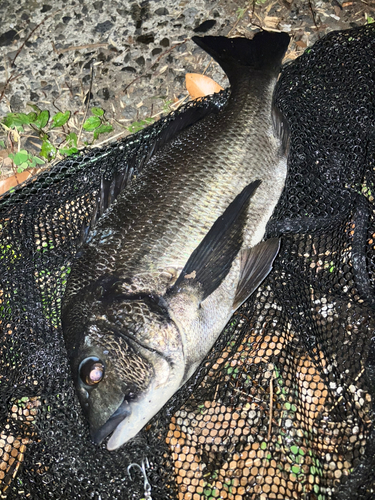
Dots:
{"x": 110, "y": 425}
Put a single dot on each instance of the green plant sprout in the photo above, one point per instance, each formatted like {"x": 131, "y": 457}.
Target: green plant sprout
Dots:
{"x": 240, "y": 12}
{"x": 24, "y": 160}
{"x": 41, "y": 122}
{"x": 137, "y": 126}
{"x": 97, "y": 123}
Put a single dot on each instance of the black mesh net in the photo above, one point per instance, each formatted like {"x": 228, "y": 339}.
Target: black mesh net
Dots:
{"x": 282, "y": 407}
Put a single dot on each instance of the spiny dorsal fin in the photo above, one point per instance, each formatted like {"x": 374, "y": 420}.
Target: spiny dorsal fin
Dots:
{"x": 256, "y": 264}
{"x": 111, "y": 188}
{"x": 211, "y": 261}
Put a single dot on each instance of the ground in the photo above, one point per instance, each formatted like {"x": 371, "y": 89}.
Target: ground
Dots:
{"x": 130, "y": 58}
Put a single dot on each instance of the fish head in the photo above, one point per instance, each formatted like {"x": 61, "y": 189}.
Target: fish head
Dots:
{"x": 127, "y": 360}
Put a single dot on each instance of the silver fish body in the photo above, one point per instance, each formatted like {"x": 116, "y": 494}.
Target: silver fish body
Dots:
{"x": 179, "y": 249}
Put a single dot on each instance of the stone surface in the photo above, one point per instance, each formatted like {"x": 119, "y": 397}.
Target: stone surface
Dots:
{"x": 138, "y": 53}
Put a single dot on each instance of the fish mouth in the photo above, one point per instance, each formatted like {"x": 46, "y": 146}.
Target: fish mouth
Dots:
{"x": 122, "y": 412}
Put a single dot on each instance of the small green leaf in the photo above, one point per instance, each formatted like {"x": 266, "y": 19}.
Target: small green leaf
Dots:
{"x": 60, "y": 119}
{"x": 68, "y": 151}
{"x": 2, "y": 144}
{"x": 16, "y": 120}
{"x": 103, "y": 129}
{"x": 97, "y": 111}
{"x": 34, "y": 106}
{"x": 48, "y": 150}
{"x": 137, "y": 126}
{"x": 71, "y": 139}
{"x": 240, "y": 13}
{"x": 22, "y": 167}
{"x": 31, "y": 117}
{"x": 42, "y": 119}
{"x": 19, "y": 157}
{"x": 71, "y": 145}
{"x": 38, "y": 161}
{"x": 91, "y": 123}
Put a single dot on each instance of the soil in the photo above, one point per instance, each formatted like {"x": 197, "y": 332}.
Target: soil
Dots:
{"x": 130, "y": 58}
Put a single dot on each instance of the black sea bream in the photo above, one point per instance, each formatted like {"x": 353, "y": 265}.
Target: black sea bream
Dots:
{"x": 180, "y": 249}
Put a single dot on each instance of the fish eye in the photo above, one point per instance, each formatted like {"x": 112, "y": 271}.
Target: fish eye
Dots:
{"x": 91, "y": 371}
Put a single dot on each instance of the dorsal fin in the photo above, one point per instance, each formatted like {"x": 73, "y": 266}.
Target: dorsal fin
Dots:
{"x": 211, "y": 261}
{"x": 111, "y": 188}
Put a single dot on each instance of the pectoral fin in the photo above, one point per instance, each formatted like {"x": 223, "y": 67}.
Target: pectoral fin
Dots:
{"x": 211, "y": 261}
{"x": 256, "y": 264}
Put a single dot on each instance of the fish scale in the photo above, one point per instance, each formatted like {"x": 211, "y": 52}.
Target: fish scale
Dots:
{"x": 209, "y": 184}
{"x": 181, "y": 243}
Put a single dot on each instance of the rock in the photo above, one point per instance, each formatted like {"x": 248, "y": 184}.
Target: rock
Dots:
{"x": 162, "y": 11}
{"x": 164, "y": 42}
{"x": 8, "y": 37}
{"x": 16, "y": 103}
{"x": 103, "y": 27}
{"x": 104, "y": 93}
{"x": 205, "y": 26}
{"x": 129, "y": 113}
{"x": 146, "y": 38}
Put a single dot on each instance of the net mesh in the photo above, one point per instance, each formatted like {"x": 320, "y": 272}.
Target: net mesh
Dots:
{"x": 282, "y": 406}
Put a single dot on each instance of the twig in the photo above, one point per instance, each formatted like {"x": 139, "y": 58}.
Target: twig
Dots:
{"x": 252, "y": 11}
{"x": 239, "y": 18}
{"x": 79, "y": 47}
{"x": 314, "y": 18}
{"x": 133, "y": 81}
{"x": 88, "y": 101}
{"x": 169, "y": 50}
{"x": 271, "y": 409}
{"x": 28, "y": 37}
{"x": 12, "y": 77}
{"x": 109, "y": 139}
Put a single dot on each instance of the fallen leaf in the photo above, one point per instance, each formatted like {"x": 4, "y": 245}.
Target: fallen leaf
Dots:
{"x": 200, "y": 85}
{"x": 14, "y": 180}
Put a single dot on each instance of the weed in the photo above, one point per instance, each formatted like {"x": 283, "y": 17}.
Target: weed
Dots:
{"x": 24, "y": 160}
{"x": 240, "y": 12}
{"x": 137, "y": 126}
{"x": 41, "y": 122}
{"x": 97, "y": 123}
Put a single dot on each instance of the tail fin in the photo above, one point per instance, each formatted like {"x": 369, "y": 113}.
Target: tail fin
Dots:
{"x": 264, "y": 52}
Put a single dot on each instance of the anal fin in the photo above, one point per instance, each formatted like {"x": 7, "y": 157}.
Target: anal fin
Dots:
{"x": 256, "y": 264}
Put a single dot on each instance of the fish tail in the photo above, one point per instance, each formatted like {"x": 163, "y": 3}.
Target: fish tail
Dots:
{"x": 262, "y": 53}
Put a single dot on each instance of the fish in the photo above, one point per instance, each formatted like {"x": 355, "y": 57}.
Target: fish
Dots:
{"x": 172, "y": 252}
